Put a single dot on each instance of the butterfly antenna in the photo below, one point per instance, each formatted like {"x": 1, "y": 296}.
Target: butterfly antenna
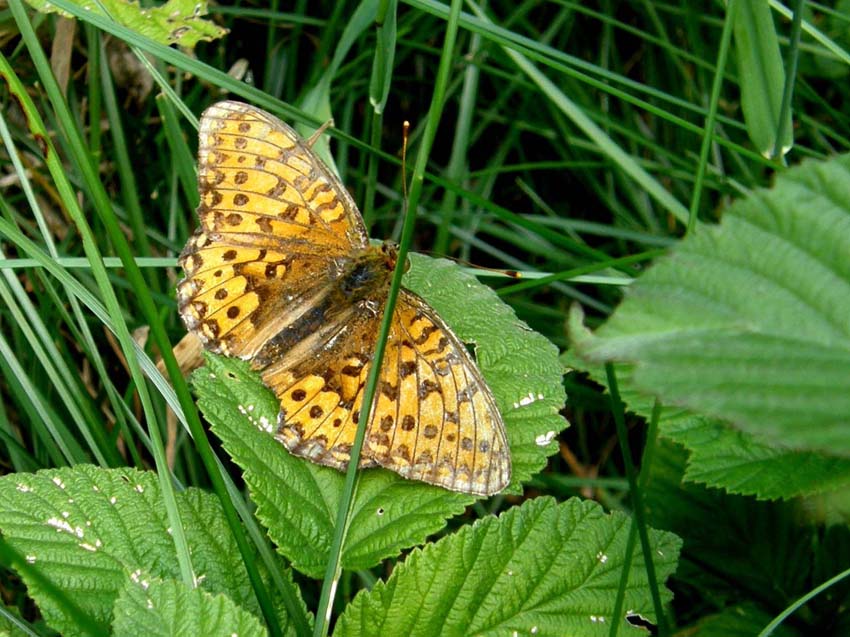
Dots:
{"x": 315, "y": 136}
{"x": 405, "y": 133}
{"x": 511, "y": 274}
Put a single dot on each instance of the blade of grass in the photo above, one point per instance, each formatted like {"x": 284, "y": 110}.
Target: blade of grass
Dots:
{"x": 332, "y": 571}
{"x": 63, "y": 379}
{"x": 148, "y": 308}
{"x": 180, "y": 155}
{"x": 636, "y": 495}
{"x": 622, "y": 160}
{"x": 126, "y": 174}
{"x": 379, "y": 89}
{"x": 101, "y": 202}
{"x": 802, "y": 601}
{"x": 458, "y": 166}
{"x": 56, "y": 439}
{"x": 714, "y": 100}
{"x": 761, "y": 74}
{"x": 790, "y": 78}
{"x": 585, "y": 269}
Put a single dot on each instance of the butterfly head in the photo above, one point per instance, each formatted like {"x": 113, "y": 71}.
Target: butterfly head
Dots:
{"x": 390, "y": 251}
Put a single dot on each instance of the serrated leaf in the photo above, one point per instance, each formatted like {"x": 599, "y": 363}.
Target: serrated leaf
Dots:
{"x": 85, "y": 528}
{"x": 724, "y": 457}
{"x": 542, "y": 568}
{"x": 749, "y": 321}
{"x": 297, "y": 500}
{"x": 167, "y": 608}
{"x": 727, "y": 458}
{"x": 175, "y": 22}
{"x": 750, "y": 545}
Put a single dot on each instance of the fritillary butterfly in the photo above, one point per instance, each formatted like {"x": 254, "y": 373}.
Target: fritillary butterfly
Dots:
{"x": 280, "y": 272}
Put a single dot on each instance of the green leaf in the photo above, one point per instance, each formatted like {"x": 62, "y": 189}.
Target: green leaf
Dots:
{"x": 165, "y": 608}
{"x": 761, "y": 76}
{"x": 724, "y": 457}
{"x": 380, "y": 80}
{"x": 297, "y": 500}
{"x": 756, "y": 550}
{"x": 749, "y": 321}
{"x": 175, "y": 22}
{"x": 539, "y": 569}
{"x": 727, "y": 458}
{"x": 85, "y": 528}
{"x": 743, "y": 620}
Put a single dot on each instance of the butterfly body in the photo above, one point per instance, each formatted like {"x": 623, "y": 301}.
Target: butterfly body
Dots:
{"x": 280, "y": 272}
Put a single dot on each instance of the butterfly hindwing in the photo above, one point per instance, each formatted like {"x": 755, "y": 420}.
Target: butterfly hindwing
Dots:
{"x": 321, "y": 396}
{"x": 436, "y": 419}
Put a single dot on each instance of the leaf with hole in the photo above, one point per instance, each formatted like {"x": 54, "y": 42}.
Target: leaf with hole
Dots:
{"x": 542, "y": 568}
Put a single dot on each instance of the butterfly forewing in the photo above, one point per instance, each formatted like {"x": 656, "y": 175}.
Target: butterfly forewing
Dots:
{"x": 258, "y": 177}
{"x": 272, "y": 218}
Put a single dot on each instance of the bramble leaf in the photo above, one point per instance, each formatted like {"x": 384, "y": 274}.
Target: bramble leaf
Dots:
{"x": 748, "y": 323}
{"x": 85, "y": 528}
{"x": 542, "y": 568}
{"x": 167, "y": 608}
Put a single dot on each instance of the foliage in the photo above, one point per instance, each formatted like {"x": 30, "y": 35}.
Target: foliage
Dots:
{"x": 573, "y": 144}
{"x": 741, "y": 332}
{"x": 745, "y": 324}
{"x": 104, "y": 533}
{"x": 541, "y": 568}
{"x": 175, "y": 22}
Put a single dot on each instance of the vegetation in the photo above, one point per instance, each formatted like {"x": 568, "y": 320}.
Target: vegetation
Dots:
{"x": 665, "y": 179}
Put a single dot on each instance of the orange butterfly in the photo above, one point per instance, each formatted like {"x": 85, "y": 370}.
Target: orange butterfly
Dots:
{"x": 280, "y": 272}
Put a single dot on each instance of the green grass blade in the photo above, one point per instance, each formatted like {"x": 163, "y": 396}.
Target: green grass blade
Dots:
{"x": 761, "y": 75}
{"x": 101, "y": 203}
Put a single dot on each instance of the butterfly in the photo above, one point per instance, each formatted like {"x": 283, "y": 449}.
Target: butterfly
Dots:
{"x": 280, "y": 272}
